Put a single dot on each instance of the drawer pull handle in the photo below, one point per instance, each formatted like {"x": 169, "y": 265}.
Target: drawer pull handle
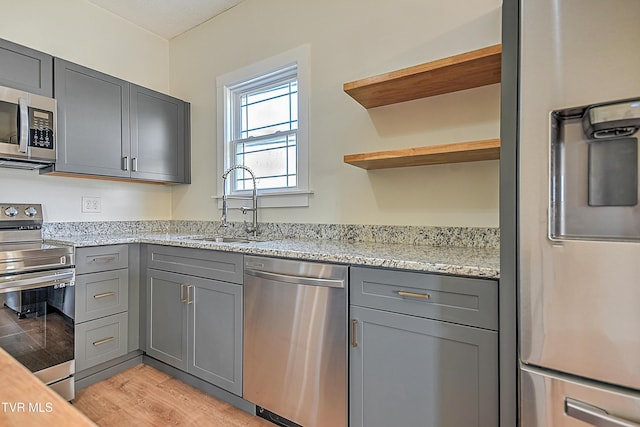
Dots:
{"x": 104, "y": 295}
{"x": 184, "y": 296}
{"x": 354, "y": 333}
{"x": 413, "y": 295}
{"x": 189, "y": 299}
{"x": 103, "y": 341}
{"x": 103, "y": 259}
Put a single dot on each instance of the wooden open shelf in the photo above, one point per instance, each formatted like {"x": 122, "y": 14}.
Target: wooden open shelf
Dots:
{"x": 471, "y": 151}
{"x": 465, "y": 71}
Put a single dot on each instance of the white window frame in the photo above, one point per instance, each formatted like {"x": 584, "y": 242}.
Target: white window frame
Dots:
{"x": 225, "y": 84}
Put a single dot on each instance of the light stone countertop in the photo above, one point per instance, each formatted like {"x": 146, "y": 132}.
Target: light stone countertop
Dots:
{"x": 460, "y": 261}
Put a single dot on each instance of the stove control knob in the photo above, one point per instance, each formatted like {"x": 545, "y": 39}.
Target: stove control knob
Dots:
{"x": 30, "y": 211}
{"x": 11, "y": 211}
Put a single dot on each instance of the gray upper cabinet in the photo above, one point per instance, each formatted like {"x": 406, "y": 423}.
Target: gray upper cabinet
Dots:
{"x": 110, "y": 127}
{"x": 93, "y": 121}
{"x": 157, "y": 136}
{"x": 25, "y": 69}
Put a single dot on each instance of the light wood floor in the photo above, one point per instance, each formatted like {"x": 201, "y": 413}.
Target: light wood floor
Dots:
{"x": 144, "y": 396}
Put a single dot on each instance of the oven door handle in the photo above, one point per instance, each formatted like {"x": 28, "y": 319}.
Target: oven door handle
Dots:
{"x": 21, "y": 282}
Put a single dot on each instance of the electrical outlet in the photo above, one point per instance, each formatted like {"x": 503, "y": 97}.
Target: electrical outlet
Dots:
{"x": 91, "y": 204}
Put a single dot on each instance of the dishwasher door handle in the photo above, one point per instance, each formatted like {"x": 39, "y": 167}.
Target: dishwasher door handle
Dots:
{"x": 296, "y": 280}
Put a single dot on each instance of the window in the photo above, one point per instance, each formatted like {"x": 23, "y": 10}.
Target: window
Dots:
{"x": 262, "y": 121}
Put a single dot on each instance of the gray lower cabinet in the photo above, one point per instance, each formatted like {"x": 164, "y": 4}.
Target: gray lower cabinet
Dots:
{"x": 25, "y": 69}
{"x": 408, "y": 367}
{"x": 195, "y": 324}
{"x": 110, "y": 127}
{"x": 102, "y": 305}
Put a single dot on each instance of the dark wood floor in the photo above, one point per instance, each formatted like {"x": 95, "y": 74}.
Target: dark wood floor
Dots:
{"x": 144, "y": 396}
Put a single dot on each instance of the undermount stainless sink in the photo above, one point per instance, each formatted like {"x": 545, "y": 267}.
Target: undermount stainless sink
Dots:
{"x": 223, "y": 239}
{"x": 226, "y": 239}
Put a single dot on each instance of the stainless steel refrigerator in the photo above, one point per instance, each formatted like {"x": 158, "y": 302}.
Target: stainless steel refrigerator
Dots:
{"x": 579, "y": 213}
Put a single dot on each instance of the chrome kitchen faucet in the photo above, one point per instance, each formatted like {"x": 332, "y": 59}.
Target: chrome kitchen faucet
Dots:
{"x": 254, "y": 198}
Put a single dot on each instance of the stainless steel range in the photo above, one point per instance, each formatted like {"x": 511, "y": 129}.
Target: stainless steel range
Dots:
{"x": 37, "y": 298}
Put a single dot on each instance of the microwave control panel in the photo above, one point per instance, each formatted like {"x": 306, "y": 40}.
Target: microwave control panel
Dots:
{"x": 40, "y": 128}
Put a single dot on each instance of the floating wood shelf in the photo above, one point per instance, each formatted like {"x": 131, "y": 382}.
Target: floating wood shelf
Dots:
{"x": 465, "y": 71}
{"x": 471, "y": 151}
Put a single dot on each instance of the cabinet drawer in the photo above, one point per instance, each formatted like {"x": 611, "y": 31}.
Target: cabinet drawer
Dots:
{"x": 101, "y": 294}
{"x": 217, "y": 265}
{"x": 101, "y": 258}
{"x": 461, "y": 300}
{"x": 100, "y": 340}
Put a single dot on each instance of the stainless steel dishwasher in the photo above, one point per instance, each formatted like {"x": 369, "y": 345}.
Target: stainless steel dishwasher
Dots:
{"x": 295, "y": 341}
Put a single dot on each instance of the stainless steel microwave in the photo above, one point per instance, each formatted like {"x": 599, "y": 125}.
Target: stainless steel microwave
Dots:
{"x": 27, "y": 129}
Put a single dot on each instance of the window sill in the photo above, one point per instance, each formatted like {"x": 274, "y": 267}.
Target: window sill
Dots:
{"x": 273, "y": 199}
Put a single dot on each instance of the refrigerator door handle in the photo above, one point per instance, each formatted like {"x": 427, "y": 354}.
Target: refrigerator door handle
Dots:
{"x": 593, "y": 415}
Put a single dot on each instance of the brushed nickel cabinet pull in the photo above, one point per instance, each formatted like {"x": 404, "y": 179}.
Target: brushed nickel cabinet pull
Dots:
{"x": 104, "y": 341}
{"x": 354, "y": 333}
{"x": 189, "y": 299}
{"x": 104, "y": 295}
{"x": 125, "y": 163}
{"x": 103, "y": 259}
{"x": 182, "y": 288}
{"x": 134, "y": 164}
{"x": 413, "y": 295}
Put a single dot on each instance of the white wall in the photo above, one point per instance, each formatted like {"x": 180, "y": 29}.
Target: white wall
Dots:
{"x": 80, "y": 32}
{"x": 351, "y": 40}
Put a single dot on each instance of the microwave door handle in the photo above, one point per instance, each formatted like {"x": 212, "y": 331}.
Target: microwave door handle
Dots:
{"x": 23, "y": 105}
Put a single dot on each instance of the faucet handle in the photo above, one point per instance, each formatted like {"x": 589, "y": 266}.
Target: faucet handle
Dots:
{"x": 250, "y": 228}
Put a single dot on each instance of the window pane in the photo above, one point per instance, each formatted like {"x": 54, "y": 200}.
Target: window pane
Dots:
{"x": 266, "y": 93}
{"x": 274, "y": 162}
{"x": 269, "y": 110}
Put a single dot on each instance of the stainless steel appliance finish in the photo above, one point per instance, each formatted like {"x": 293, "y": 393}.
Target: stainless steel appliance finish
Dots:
{"x": 579, "y": 275}
{"x": 551, "y": 399}
{"x": 37, "y": 299}
{"x": 295, "y": 340}
{"x": 27, "y": 129}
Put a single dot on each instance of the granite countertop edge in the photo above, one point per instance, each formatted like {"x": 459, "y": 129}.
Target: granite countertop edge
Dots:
{"x": 459, "y": 261}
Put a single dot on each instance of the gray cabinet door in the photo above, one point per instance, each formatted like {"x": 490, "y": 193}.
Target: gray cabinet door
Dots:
{"x": 166, "y": 331}
{"x": 158, "y": 136}
{"x": 25, "y": 69}
{"x": 410, "y": 371}
{"x": 93, "y": 121}
{"x": 215, "y": 333}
